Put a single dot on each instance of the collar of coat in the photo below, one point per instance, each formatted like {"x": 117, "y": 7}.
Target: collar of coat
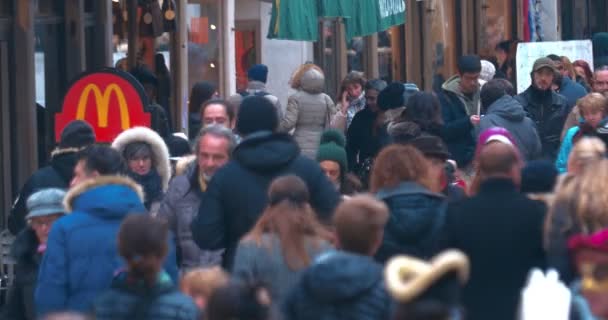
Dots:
{"x": 406, "y": 188}
{"x": 100, "y": 181}
{"x": 60, "y": 151}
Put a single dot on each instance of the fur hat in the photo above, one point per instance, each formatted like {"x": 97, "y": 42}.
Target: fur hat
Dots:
{"x": 332, "y": 148}
{"x": 77, "y": 134}
{"x": 258, "y": 72}
{"x": 45, "y": 202}
{"x": 256, "y": 114}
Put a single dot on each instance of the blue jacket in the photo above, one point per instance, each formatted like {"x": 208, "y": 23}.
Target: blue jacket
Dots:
{"x": 340, "y": 285}
{"x": 564, "y": 151}
{"x": 414, "y": 223}
{"x": 82, "y": 255}
{"x": 130, "y": 299}
{"x": 572, "y": 91}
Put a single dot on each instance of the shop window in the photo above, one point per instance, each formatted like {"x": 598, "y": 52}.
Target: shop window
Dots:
{"x": 327, "y": 54}
{"x": 443, "y": 40}
{"x": 50, "y": 7}
{"x": 354, "y": 54}
{"x": 496, "y": 19}
{"x": 385, "y": 55}
{"x": 204, "y": 41}
{"x": 247, "y": 50}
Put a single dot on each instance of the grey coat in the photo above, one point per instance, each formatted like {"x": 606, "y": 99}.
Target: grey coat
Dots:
{"x": 508, "y": 113}
{"x": 309, "y": 112}
{"x": 179, "y": 206}
{"x": 266, "y": 264}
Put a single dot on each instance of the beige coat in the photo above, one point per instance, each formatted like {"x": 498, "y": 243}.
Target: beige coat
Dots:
{"x": 308, "y": 112}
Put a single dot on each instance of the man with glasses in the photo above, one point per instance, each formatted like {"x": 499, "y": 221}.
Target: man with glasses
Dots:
{"x": 599, "y": 85}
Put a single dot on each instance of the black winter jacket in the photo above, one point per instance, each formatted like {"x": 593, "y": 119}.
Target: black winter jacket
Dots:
{"x": 57, "y": 174}
{"x": 20, "y": 304}
{"x": 361, "y": 141}
{"x": 457, "y": 131}
{"x": 237, "y": 193}
{"x": 415, "y": 221}
{"x": 549, "y": 111}
{"x": 501, "y": 232}
{"x": 340, "y": 285}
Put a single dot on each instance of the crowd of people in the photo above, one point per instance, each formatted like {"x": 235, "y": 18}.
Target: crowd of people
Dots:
{"x": 387, "y": 203}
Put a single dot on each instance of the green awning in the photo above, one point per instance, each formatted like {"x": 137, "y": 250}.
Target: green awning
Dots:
{"x": 298, "y": 19}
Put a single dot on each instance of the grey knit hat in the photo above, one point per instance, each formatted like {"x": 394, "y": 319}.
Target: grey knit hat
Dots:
{"x": 45, "y": 202}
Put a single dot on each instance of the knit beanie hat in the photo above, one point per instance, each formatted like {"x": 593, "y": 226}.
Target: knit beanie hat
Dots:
{"x": 538, "y": 176}
{"x": 332, "y": 148}
{"x": 258, "y": 72}
{"x": 396, "y": 95}
{"x": 256, "y": 114}
{"x": 178, "y": 146}
{"x": 77, "y": 134}
{"x": 469, "y": 64}
{"x": 487, "y": 70}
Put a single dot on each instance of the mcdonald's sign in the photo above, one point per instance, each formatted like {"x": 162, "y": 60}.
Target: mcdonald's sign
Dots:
{"x": 111, "y": 101}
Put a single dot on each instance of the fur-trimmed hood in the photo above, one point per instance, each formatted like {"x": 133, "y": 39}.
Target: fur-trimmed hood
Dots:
{"x": 183, "y": 164}
{"x": 108, "y": 196}
{"x": 157, "y": 144}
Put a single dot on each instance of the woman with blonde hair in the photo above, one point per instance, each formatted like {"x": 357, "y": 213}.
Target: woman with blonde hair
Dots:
{"x": 401, "y": 177}
{"x": 284, "y": 241}
{"x": 309, "y": 110}
{"x": 579, "y": 207}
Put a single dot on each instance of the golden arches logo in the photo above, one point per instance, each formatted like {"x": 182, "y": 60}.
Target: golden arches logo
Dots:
{"x": 102, "y": 101}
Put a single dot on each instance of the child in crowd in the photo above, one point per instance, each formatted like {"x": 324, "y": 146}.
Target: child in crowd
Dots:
{"x": 143, "y": 290}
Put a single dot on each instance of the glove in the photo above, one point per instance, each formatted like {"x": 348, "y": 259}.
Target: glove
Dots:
{"x": 545, "y": 297}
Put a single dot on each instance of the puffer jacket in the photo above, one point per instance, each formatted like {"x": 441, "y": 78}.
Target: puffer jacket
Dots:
{"x": 508, "y": 113}
{"x": 178, "y": 208}
{"x": 415, "y": 221}
{"x": 548, "y": 110}
{"x": 309, "y": 112}
{"x": 82, "y": 255}
{"x": 20, "y": 303}
{"x": 340, "y": 285}
{"x": 133, "y": 300}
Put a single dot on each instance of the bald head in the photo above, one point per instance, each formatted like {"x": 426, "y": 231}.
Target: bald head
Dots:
{"x": 499, "y": 160}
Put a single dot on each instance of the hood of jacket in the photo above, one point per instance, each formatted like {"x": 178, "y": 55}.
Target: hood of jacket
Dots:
{"x": 108, "y": 197}
{"x": 160, "y": 152}
{"x": 313, "y": 81}
{"x": 64, "y": 161}
{"x": 25, "y": 246}
{"x": 341, "y": 276}
{"x": 413, "y": 211}
{"x": 509, "y": 108}
{"x": 453, "y": 85}
{"x": 266, "y": 151}
{"x": 124, "y": 283}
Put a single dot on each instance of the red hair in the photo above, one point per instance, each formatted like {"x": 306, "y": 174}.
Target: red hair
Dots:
{"x": 583, "y": 64}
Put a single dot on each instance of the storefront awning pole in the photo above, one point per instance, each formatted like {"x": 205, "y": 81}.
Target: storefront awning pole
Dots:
{"x": 181, "y": 73}
{"x": 133, "y": 31}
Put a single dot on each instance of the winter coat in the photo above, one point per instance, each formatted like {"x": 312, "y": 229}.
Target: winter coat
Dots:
{"x": 501, "y": 232}
{"x": 160, "y": 155}
{"x": 361, "y": 142}
{"x": 564, "y": 150}
{"x": 20, "y": 302}
{"x": 237, "y": 193}
{"x": 415, "y": 221}
{"x": 57, "y": 174}
{"x": 309, "y": 112}
{"x": 257, "y": 88}
{"x": 572, "y": 91}
{"x": 265, "y": 263}
{"x": 81, "y": 254}
{"x": 180, "y": 205}
{"x": 574, "y": 119}
{"x": 548, "y": 110}
{"x": 128, "y": 299}
{"x": 457, "y": 131}
{"x": 340, "y": 285}
{"x": 508, "y": 113}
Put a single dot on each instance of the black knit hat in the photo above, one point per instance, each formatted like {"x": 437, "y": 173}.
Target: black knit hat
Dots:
{"x": 258, "y": 72}
{"x": 77, "y": 134}
{"x": 332, "y": 148}
{"x": 538, "y": 176}
{"x": 469, "y": 64}
{"x": 396, "y": 95}
{"x": 178, "y": 146}
{"x": 256, "y": 114}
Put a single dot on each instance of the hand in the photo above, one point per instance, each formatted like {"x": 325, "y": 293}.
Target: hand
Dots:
{"x": 344, "y": 101}
{"x": 475, "y": 119}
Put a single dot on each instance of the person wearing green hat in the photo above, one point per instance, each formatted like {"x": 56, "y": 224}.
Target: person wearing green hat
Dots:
{"x": 44, "y": 208}
{"x": 332, "y": 158}
{"x": 545, "y": 107}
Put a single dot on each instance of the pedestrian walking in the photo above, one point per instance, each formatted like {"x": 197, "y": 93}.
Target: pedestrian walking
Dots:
{"x": 284, "y": 241}
{"x": 332, "y": 158}
{"x": 143, "y": 290}
{"x": 257, "y": 77}
{"x": 147, "y": 159}
{"x": 237, "y": 194}
{"x": 347, "y": 283}
{"x": 309, "y": 110}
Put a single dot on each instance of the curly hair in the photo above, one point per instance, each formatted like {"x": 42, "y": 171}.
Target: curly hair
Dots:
{"x": 296, "y": 78}
{"x": 399, "y": 163}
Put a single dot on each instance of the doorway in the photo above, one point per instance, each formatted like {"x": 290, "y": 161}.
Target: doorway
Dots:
{"x": 247, "y": 49}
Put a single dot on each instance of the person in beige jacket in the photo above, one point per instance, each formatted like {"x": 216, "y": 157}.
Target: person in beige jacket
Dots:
{"x": 309, "y": 110}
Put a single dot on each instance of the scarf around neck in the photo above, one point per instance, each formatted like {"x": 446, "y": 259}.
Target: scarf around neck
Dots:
{"x": 152, "y": 184}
